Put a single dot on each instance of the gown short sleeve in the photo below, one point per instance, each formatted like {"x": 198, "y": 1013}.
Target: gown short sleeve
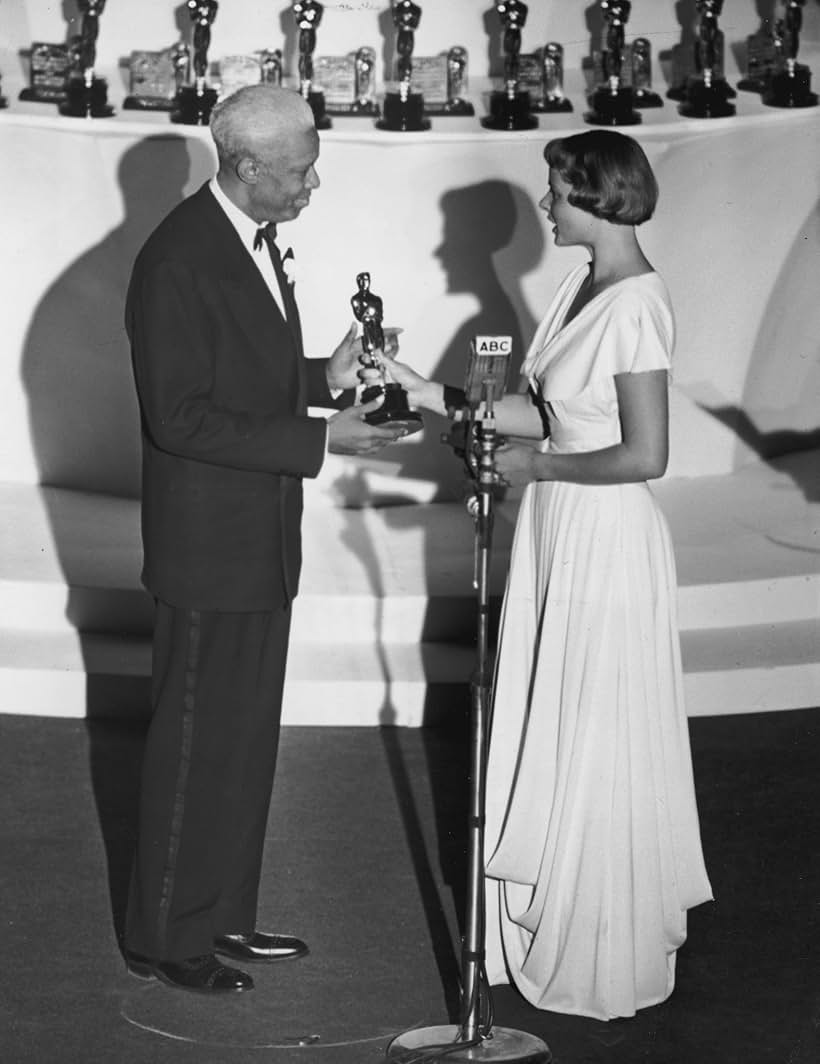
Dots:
{"x": 627, "y": 328}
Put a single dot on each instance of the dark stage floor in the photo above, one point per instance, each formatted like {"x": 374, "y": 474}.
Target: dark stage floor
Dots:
{"x": 365, "y": 859}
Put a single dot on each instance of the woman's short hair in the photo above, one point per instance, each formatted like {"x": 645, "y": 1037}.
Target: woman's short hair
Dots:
{"x": 609, "y": 173}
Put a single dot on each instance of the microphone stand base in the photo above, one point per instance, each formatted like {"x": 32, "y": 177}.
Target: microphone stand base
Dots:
{"x": 503, "y": 1045}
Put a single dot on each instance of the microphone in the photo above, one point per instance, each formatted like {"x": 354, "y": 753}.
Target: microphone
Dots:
{"x": 487, "y": 370}
{"x": 474, "y": 438}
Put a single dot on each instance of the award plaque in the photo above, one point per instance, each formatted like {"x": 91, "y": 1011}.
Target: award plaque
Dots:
{"x": 760, "y": 59}
{"x": 86, "y": 95}
{"x": 510, "y": 107}
{"x": 50, "y": 66}
{"x": 193, "y": 103}
{"x": 640, "y": 62}
{"x": 270, "y": 63}
{"x": 611, "y": 103}
{"x": 347, "y": 82}
{"x": 441, "y": 80}
{"x": 237, "y": 71}
{"x": 156, "y": 77}
{"x": 404, "y": 109}
{"x": 707, "y": 93}
{"x": 790, "y": 84}
{"x": 367, "y": 308}
{"x": 531, "y": 78}
{"x": 551, "y": 99}
{"x": 308, "y": 14}
{"x": 430, "y": 81}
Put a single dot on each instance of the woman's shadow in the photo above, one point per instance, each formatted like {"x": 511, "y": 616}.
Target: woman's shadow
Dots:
{"x": 490, "y": 230}
{"x": 84, "y": 424}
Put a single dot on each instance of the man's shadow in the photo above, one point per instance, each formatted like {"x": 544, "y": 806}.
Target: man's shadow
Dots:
{"x": 84, "y": 424}
{"x": 76, "y": 370}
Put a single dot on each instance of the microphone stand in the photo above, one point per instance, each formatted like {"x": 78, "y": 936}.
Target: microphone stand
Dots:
{"x": 475, "y": 1039}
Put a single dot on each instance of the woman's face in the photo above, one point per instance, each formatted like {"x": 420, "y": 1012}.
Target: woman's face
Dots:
{"x": 570, "y": 225}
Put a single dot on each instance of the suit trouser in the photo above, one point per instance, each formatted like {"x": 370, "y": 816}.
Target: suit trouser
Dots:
{"x": 207, "y": 777}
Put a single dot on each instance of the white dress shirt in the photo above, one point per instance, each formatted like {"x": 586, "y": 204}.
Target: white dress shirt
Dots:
{"x": 246, "y": 229}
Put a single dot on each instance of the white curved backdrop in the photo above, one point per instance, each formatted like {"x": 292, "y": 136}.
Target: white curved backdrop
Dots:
{"x": 447, "y": 224}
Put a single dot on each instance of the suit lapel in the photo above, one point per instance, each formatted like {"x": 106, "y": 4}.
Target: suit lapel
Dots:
{"x": 257, "y": 312}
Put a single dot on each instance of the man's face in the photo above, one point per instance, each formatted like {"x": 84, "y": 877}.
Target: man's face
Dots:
{"x": 286, "y": 178}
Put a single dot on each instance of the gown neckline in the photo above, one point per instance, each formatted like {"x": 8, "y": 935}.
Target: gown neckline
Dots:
{"x": 567, "y": 324}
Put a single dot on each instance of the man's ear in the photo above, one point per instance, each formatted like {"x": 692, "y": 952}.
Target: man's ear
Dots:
{"x": 247, "y": 170}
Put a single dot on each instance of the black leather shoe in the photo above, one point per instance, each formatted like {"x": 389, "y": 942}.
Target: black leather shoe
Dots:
{"x": 259, "y": 946}
{"x": 138, "y": 965}
{"x": 199, "y": 975}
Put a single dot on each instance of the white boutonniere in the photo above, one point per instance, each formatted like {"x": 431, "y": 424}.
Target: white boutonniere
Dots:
{"x": 289, "y": 266}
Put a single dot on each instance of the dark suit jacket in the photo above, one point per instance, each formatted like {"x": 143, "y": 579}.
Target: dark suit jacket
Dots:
{"x": 223, "y": 389}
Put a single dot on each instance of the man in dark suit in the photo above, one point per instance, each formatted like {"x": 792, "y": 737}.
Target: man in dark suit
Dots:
{"x": 224, "y": 387}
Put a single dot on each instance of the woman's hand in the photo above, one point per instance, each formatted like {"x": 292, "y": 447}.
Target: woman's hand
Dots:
{"x": 343, "y": 366}
{"x": 421, "y": 393}
{"x": 517, "y": 463}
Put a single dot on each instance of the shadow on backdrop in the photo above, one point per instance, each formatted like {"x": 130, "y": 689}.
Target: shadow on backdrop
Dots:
{"x": 450, "y": 815}
{"x": 676, "y": 62}
{"x": 84, "y": 424}
{"x": 76, "y": 368}
{"x": 481, "y": 224}
{"x": 782, "y": 386}
{"x": 492, "y": 236}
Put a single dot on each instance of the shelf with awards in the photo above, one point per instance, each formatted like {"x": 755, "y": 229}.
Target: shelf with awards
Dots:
{"x": 403, "y": 67}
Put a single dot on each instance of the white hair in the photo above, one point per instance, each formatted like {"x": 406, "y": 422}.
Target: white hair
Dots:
{"x": 252, "y": 120}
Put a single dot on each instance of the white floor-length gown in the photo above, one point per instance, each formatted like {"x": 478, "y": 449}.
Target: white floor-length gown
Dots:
{"x": 593, "y": 842}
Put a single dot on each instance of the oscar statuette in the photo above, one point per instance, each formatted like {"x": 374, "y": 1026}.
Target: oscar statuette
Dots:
{"x": 367, "y": 308}
{"x": 270, "y": 61}
{"x": 707, "y": 93}
{"x": 403, "y": 111}
{"x": 760, "y": 58}
{"x": 510, "y": 107}
{"x": 553, "y": 100}
{"x": 642, "y": 93}
{"x": 86, "y": 94}
{"x": 612, "y": 103}
{"x": 364, "y": 101}
{"x": 455, "y": 103}
{"x": 193, "y": 103}
{"x": 790, "y": 83}
{"x": 308, "y": 14}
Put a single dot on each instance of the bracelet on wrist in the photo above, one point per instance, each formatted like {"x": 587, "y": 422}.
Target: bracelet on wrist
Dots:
{"x": 455, "y": 402}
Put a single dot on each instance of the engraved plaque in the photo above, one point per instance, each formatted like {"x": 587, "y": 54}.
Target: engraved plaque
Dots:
{"x": 347, "y": 82}
{"x": 531, "y": 75}
{"x": 153, "y": 80}
{"x": 50, "y": 67}
{"x": 237, "y": 71}
{"x": 335, "y": 76}
{"x": 429, "y": 77}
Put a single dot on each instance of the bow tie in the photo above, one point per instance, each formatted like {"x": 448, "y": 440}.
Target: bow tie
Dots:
{"x": 265, "y": 234}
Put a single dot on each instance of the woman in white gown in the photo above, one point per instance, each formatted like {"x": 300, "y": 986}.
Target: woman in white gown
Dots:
{"x": 593, "y": 843}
